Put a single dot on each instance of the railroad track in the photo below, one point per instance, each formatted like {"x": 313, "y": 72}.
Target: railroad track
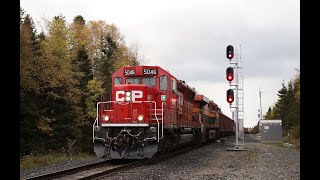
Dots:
{"x": 155, "y": 159}
{"x": 107, "y": 168}
{"x": 83, "y": 171}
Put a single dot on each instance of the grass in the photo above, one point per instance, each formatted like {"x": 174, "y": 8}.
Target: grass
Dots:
{"x": 295, "y": 142}
{"x": 34, "y": 161}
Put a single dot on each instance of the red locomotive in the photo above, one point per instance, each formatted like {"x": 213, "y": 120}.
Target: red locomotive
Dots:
{"x": 150, "y": 111}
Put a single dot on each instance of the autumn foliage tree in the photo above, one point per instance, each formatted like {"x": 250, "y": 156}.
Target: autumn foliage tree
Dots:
{"x": 63, "y": 73}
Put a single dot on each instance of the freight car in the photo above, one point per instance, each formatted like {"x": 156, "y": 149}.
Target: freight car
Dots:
{"x": 227, "y": 126}
{"x": 149, "y": 111}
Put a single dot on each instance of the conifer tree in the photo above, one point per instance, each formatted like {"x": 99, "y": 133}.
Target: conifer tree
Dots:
{"x": 29, "y": 110}
{"x": 64, "y": 95}
{"x": 287, "y": 108}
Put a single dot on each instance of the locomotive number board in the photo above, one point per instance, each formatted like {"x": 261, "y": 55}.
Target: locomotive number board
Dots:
{"x": 132, "y": 72}
{"x": 129, "y": 72}
{"x": 150, "y": 72}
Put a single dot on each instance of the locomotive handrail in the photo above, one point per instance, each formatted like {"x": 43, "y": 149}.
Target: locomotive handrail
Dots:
{"x": 95, "y": 122}
{"x": 199, "y": 119}
{"x": 162, "y": 120}
{"x": 202, "y": 126}
{"x": 155, "y": 111}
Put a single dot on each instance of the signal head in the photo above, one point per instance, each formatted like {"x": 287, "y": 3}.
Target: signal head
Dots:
{"x": 230, "y": 74}
{"x": 230, "y": 96}
{"x": 230, "y": 52}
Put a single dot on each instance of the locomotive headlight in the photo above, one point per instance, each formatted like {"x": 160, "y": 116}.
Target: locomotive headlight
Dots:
{"x": 106, "y": 118}
{"x": 140, "y": 117}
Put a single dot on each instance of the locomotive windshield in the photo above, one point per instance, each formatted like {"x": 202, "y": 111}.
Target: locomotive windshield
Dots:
{"x": 132, "y": 81}
{"x": 147, "y": 81}
{"x": 163, "y": 82}
{"x": 117, "y": 80}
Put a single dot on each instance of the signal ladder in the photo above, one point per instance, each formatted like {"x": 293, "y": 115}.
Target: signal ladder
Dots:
{"x": 241, "y": 100}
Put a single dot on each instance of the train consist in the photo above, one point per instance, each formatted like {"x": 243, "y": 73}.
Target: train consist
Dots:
{"x": 150, "y": 111}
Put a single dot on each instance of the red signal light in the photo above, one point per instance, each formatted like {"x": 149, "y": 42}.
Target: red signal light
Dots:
{"x": 229, "y": 74}
{"x": 230, "y": 96}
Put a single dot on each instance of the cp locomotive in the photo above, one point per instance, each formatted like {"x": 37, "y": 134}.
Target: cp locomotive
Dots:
{"x": 150, "y": 111}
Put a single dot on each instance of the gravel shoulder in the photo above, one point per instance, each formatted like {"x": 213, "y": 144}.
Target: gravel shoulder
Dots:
{"x": 213, "y": 161}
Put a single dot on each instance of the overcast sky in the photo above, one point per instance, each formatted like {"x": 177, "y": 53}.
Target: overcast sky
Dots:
{"x": 189, "y": 39}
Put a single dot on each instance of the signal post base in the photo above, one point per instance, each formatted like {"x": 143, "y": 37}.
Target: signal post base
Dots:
{"x": 236, "y": 148}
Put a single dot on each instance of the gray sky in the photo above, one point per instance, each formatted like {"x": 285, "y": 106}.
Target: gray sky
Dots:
{"x": 189, "y": 39}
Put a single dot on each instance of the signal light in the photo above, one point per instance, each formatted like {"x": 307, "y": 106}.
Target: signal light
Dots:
{"x": 230, "y": 96}
{"x": 230, "y": 74}
{"x": 230, "y": 52}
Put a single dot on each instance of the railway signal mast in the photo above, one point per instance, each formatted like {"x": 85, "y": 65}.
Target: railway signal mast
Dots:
{"x": 238, "y": 87}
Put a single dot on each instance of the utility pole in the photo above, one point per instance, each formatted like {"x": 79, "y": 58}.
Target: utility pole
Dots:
{"x": 260, "y": 105}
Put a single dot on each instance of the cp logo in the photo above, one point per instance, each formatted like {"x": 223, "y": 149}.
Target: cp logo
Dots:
{"x": 121, "y": 95}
